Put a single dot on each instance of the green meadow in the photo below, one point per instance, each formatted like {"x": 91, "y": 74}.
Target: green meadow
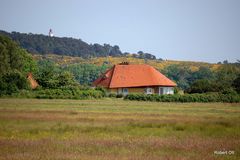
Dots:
{"x": 109, "y": 129}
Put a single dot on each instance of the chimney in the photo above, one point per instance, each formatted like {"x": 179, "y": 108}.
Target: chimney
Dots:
{"x": 124, "y": 63}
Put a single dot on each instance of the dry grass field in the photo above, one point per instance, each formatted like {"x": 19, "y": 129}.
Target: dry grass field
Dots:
{"x": 32, "y": 129}
{"x": 64, "y": 60}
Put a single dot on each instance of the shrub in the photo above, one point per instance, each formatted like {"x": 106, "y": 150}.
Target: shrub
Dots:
{"x": 69, "y": 93}
{"x": 24, "y": 94}
{"x": 103, "y": 90}
{"x": 228, "y": 91}
{"x": 112, "y": 95}
{"x": 119, "y": 96}
{"x": 12, "y": 82}
{"x": 207, "y": 97}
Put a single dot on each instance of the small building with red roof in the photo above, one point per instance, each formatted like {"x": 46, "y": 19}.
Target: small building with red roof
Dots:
{"x": 33, "y": 83}
{"x": 125, "y": 78}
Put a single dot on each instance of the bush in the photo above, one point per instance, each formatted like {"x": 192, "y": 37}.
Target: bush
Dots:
{"x": 200, "y": 86}
{"x": 69, "y": 93}
{"x": 103, "y": 90}
{"x": 228, "y": 91}
{"x": 12, "y": 82}
{"x": 207, "y": 97}
{"x": 119, "y": 96}
{"x": 112, "y": 95}
{"x": 24, "y": 94}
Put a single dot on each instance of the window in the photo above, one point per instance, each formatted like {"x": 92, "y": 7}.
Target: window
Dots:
{"x": 166, "y": 90}
{"x": 169, "y": 90}
{"x": 160, "y": 90}
{"x": 149, "y": 91}
{"x": 119, "y": 91}
{"x": 125, "y": 91}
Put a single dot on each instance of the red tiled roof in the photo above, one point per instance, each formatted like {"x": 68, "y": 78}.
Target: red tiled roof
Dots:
{"x": 32, "y": 81}
{"x": 132, "y": 75}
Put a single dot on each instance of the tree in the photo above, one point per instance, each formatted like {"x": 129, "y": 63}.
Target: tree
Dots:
{"x": 236, "y": 84}
{"x": 66, "y": 78}
{"x": 237, "y": 62}
{"x": 49, "y": 75}
{"x": 202, "y": 73}
{"x": 115, "y": 51}
{"x": 200, "y": 86}
{"x": 46, "y": 74}
{"x": 12, "y": 82}
{"x": 225, "y": 62}
{"x": 4, "y": 58}
{"x": 15, "y": 63}
{"x": 12, "y": 57}
{"x": 225, "y": 77}
{"x": 143, "y": 55}
{"x": 85, "y": 74}
{"x": 180, "y": 74}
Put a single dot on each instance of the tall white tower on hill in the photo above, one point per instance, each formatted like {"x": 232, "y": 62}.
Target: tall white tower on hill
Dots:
{"x": 50, "y": 33}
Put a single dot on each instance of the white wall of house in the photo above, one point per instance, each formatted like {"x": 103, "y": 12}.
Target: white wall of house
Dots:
{"x": 166, "y": 90}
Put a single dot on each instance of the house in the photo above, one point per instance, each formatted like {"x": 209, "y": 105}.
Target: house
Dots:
{"x": 33, "y": 83}
{"x": 127, "y": 78}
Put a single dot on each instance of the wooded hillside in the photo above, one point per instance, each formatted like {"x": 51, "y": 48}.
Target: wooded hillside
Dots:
{"x": 42, "y": 44}
{"x": 184, "y": 73}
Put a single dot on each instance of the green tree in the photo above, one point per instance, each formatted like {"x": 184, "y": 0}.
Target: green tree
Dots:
{"x": 12, "y": 82}
{"x": 15, "y": 63}
{"x": 4, "y": 58}
{"x": 225, "y": 77}
{"x": 49, "y": 75}
{"x": 200, "y": 86}
{"x": 85, "y": 74}
{"x": 180, "y": 74}
{"x": 236, "y": 84}
{"x": 66, "y": 78}
{"x": 12, "y": 57}
{"x": 46, "y": 75}
{"x": 203, "y": 73}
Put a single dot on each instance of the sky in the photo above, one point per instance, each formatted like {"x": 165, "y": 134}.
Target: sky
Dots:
{"x": 196, "y": 30}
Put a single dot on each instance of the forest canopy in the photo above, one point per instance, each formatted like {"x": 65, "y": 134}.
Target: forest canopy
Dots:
{"x": 42, "y": 44}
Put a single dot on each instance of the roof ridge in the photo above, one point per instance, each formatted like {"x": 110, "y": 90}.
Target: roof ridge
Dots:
{"x": 113, "y": 68}
{"x": 102, "y": 75}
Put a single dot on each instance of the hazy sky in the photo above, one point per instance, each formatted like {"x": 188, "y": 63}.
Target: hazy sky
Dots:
{"x": 201, "y": 30}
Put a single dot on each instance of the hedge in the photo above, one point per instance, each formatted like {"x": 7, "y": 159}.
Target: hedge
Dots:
{"x": 61, "y": 93}
{"x": 207, "y": 97}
